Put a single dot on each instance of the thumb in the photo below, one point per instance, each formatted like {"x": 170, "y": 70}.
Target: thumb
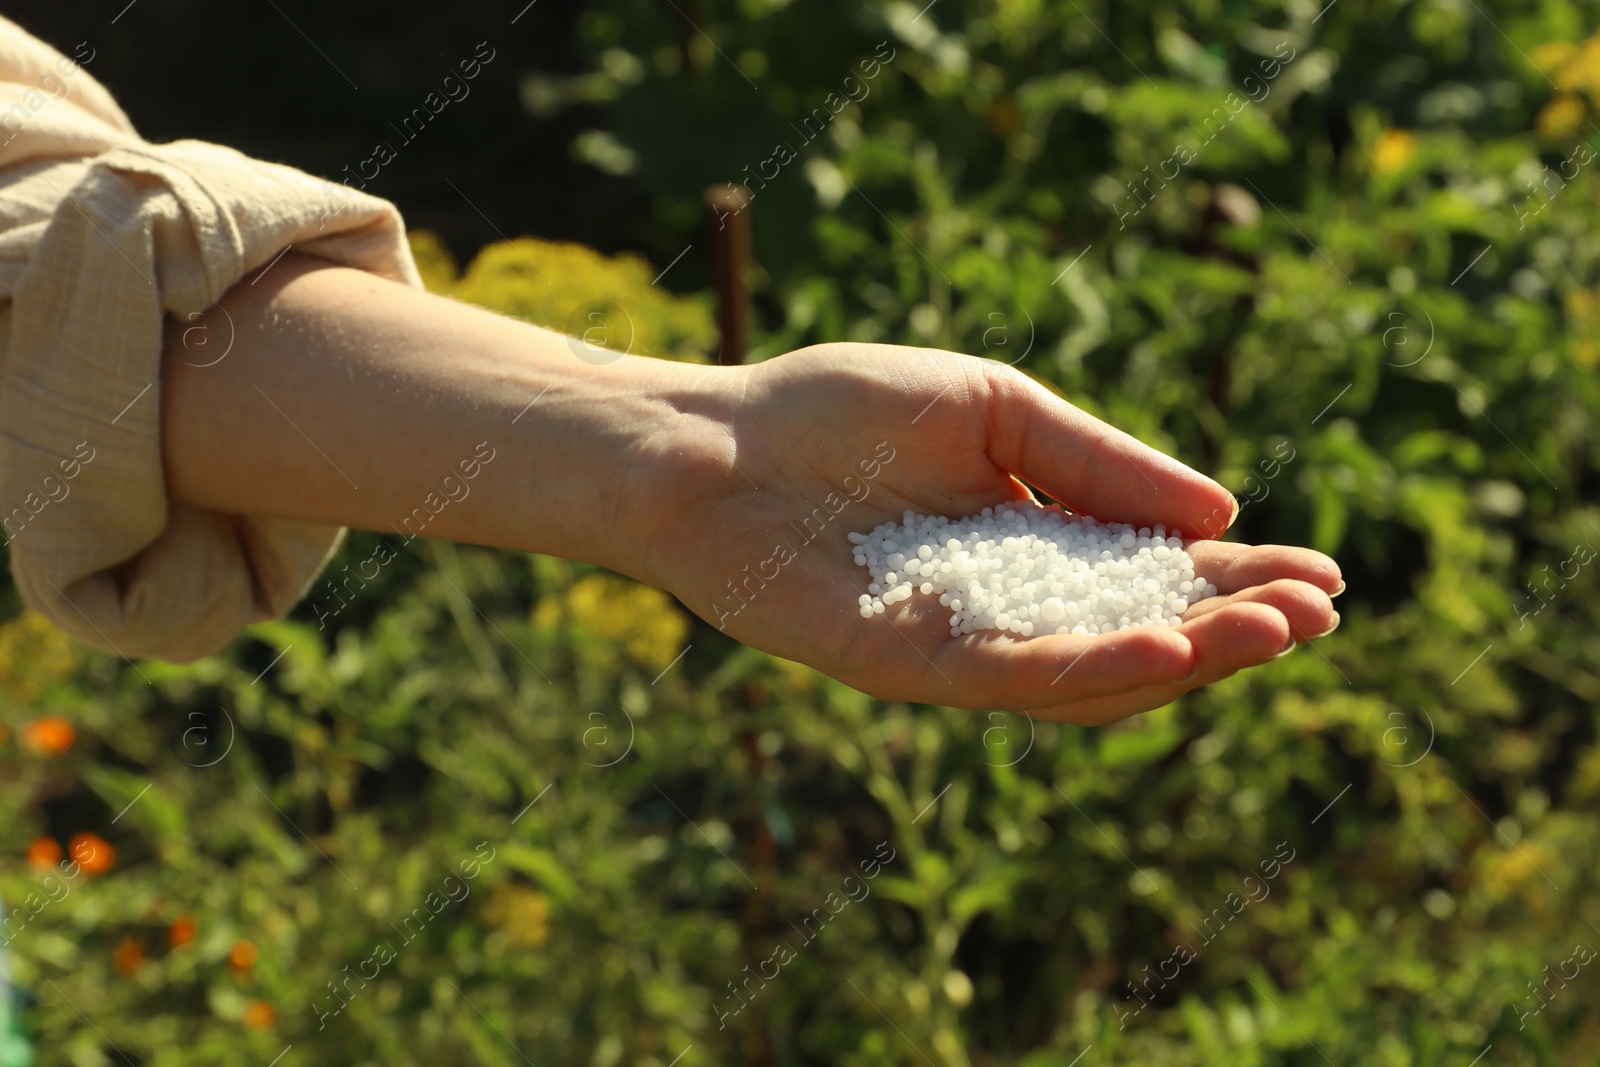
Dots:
{"x": 1092, "y": 467}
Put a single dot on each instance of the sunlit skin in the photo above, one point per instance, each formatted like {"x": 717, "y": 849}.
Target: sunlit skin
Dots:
{"x": 683, "y": 475}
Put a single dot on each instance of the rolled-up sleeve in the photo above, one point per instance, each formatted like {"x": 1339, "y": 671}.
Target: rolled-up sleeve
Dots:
{"x": 97, "y": 253}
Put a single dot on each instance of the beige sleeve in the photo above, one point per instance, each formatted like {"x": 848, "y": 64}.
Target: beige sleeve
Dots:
{"x": 121, "y": 242}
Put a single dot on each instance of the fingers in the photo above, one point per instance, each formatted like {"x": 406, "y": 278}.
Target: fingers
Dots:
{"x": 1106, "y": 710}
{"x": 1098, "y": 679}
{"x": 1232, "y": 567}
{"x": 1307, "y": 609}
{"x": 1094, "y": 680}
{"x": 1225, "y": 641}
{"x": 992, "y": 670}
{"x": 1094, "y": 468}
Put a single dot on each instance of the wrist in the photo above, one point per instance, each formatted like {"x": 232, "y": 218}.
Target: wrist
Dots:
{"x": 612, "y": 464}
{"x": 674, "y": 461}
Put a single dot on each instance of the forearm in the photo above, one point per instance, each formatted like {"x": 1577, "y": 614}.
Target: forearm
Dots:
{"x": 351, "y": 400}
{"x": 346, "y": 399}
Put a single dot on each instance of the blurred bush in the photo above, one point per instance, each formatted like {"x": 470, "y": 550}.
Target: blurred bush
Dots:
{"x": 609, "y": 301}
{"x": 1343, "y": 258}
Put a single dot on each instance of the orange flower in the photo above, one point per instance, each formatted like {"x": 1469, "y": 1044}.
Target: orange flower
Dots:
{"x": 92, "y": 852}
{"x": 49, "y": 736}
{"x": 242, "y": 955}
{"x": 182, "y": 931}
{"x": 128, "y": 955}
{"x": 1004, "y": 116}
{"x": 43, "y": 852}
{"x": 258, "y": 1015}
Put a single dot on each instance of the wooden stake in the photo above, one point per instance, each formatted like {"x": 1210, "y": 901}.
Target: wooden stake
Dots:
{"x": 728, "y": 220}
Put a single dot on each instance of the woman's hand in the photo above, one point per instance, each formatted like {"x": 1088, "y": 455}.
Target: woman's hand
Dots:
{"x": 346, "y": 399}
{"x": 771, "y": 465}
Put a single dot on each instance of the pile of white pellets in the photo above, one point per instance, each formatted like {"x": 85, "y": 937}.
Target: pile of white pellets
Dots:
{"x": 1031, "y": 570}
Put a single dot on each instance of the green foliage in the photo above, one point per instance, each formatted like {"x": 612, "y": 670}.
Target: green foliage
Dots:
{"x": 1363, "y": 305}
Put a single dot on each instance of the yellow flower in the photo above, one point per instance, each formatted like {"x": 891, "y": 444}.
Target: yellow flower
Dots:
{"x": 523, "y": 915}
{"x": 1393, "y": 150}
{"x": 1581, "y": 70}
{"x": 33, "y": 654}
{"x": 797, "y": 677}
{"x": 609, "y": 302}
{"x": 1510, "y": 873}
{"x": 434, "y": 261}
{"x": 1583, "y": 316}
{"x": 639, "y": 617}
{"x": 1561, "y": 117}
{"x": 1575, "y": 67}
{"x": 1582, "y": 307}
{"x": 1552, "y": 56}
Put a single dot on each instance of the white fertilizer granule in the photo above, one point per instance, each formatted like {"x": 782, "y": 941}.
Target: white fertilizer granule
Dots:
{"x": 1031, "y": 570}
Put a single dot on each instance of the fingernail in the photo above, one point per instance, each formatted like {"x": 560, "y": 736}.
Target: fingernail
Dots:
{"x": 1235, "y": 514}
{"x": 1191, "y": 676}
{"x": 1293, "y": 644}
{"x": 1331, "y": 627}
{"x": 1339, "y": 590}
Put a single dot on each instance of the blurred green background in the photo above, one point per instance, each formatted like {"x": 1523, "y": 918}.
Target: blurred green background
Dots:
{"x": 1343, "y": 258}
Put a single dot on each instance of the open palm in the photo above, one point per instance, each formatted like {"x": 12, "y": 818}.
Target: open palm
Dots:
{"x": 842, "y": 437}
